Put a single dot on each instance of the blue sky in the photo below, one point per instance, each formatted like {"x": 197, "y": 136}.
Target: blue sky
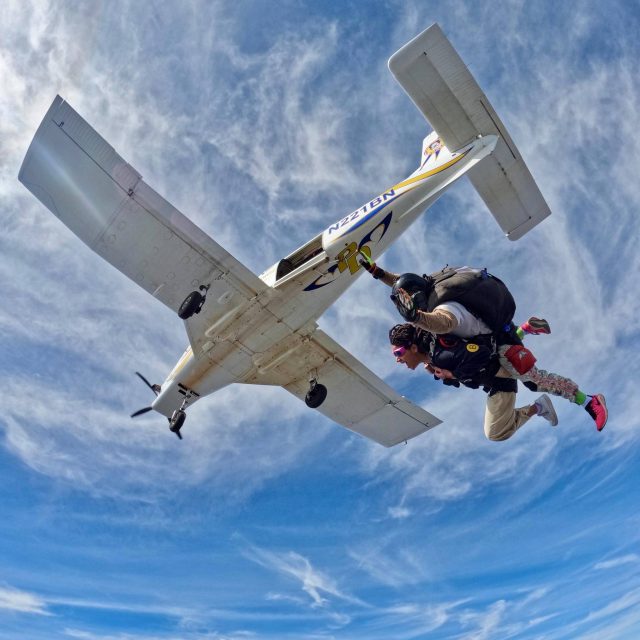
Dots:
{"x": 264, "y": 123}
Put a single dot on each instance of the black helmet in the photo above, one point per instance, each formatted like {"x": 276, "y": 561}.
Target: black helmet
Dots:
{"x": 416, "y": 286}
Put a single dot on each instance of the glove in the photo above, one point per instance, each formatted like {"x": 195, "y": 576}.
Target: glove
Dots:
{"x": 372, "y": 268}
{"x": 405, "y": 305}
{"x": 449, "y": 382}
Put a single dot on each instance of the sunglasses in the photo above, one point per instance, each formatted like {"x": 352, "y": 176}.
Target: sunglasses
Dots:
{"x": 398, "y": 352}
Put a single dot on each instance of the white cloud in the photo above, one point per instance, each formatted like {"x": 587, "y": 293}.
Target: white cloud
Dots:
{"x": 97, "y": 447}
{"x": 272, "y": 95}
{"x": 486, "y": 623}
{"x": 626, "y": 601}
{"x": 293, "y": 565}
{"x": 631, "y": 558}
{"x": 21, "y": 601}
{"x": 282, "y": 597}
{"x": 416, "y": 619}
{"x": 533, "y": 595}
{"x": 388, "y": 563}
{"x": 399, "y": 512}
{"x": 242, "y": 138}
{"x": 624, "y": 625}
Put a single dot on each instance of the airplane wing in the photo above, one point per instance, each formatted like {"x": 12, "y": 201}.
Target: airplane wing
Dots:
{"x": 80, "y": 178}
{"x": 357, "y": 398}
{"x": 438, "y": 82}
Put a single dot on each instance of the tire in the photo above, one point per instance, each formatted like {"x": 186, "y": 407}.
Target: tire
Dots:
{"x": 315, "y": 396}
{"x": 192, "y": 304}
{"x": 177, "y": 420}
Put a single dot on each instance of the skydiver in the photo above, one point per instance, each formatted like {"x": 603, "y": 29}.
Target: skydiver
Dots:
{"x": 510, "y": 360}
{"x": 449, "y": 317}
{"x": 474, "y": 364}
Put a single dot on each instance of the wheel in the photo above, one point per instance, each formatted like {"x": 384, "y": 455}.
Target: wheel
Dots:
{"x": 316, "y": 395}
{"x": 192, "y": 304}
{"x": 177, "y": 420}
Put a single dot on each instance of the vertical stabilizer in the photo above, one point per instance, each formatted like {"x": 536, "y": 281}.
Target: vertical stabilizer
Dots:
{"x": 432, "y": 146}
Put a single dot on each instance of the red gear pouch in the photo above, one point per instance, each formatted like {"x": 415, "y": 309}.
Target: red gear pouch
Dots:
{"x": 520, "y": 357}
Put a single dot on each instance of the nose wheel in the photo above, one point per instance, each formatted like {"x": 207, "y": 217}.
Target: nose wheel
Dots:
{"x": 177, "y": 419}
{"x": 316, "y": 395}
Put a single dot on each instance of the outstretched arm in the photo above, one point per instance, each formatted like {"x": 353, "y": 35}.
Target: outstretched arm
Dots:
{"x": 377, "y": 272}
{"x": 437, "y": 321}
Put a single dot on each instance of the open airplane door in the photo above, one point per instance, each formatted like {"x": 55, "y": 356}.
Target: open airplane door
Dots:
{"x": 438, "y": 82}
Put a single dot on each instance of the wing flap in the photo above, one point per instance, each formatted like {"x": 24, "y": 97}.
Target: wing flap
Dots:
{"x": 439, "y": 83}
{"x": 357, "y": 399}
{"x": 77, "y": 175}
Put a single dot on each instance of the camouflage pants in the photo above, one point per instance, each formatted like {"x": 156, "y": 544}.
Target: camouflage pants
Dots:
{"x": 545, "y": 381}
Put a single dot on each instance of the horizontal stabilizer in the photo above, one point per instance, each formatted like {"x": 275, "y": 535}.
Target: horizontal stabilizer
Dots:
{"x": 438, "y": 82}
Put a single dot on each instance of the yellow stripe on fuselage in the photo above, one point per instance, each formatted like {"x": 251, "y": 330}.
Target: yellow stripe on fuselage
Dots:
{"x": 180, "y": 364}
{"x": 428, "y": 174}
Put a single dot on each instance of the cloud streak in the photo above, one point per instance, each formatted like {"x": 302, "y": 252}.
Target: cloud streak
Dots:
{"x": 264, "y": 131}
{"x": 316, "y": 584}
{"x": 22, "y": 602}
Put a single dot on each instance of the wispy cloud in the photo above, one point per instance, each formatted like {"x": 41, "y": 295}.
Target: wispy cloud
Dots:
{"x": 399, "y": 512}
{"x": 315, "y": 583}
{"x": 631, "y": 558}
{"x": 21, "y": 601}
{"x": 64, "y": 437}
{"x": 485, "y": 624}
{"x": 389, "y": 565}
{"x": 624, "y": 602}
{"x": 264, "y": 131}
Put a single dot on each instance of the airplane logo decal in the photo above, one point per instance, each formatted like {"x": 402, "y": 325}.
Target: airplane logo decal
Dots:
{"x": 433, "y": 150}
{"x": 348, "y": 257}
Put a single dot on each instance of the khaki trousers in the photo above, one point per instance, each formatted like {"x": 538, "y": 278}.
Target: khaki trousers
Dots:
{"x": 501, "y": 418}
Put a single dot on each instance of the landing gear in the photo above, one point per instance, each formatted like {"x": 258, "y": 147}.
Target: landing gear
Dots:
{"x": 316, "y": 395}
{"x": 193, "y": 302}
{"x": 176, "y": 421}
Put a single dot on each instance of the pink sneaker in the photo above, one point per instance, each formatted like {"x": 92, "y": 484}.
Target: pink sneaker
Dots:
{"x": 597, "y": 409}
{"x": 536, "y": 326}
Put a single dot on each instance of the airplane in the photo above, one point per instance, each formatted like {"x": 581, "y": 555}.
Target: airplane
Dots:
{"x": 244, "y": 328}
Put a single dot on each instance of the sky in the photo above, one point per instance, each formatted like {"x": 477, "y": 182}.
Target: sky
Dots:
{"x": 264, "y": 122}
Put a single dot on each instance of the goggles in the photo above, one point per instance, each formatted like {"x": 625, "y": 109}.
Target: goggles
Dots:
{"x": 398, "y": 352}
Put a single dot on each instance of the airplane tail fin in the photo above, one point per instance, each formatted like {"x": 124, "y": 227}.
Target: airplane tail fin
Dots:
{"x": 431, "y": 147}
{"x": 438, "y": 82}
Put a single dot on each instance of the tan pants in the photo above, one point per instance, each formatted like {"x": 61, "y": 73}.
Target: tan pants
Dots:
{"x": 501, "y": 418}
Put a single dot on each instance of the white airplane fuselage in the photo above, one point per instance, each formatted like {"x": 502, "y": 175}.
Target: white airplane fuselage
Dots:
{"x": 328, "y": 265}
